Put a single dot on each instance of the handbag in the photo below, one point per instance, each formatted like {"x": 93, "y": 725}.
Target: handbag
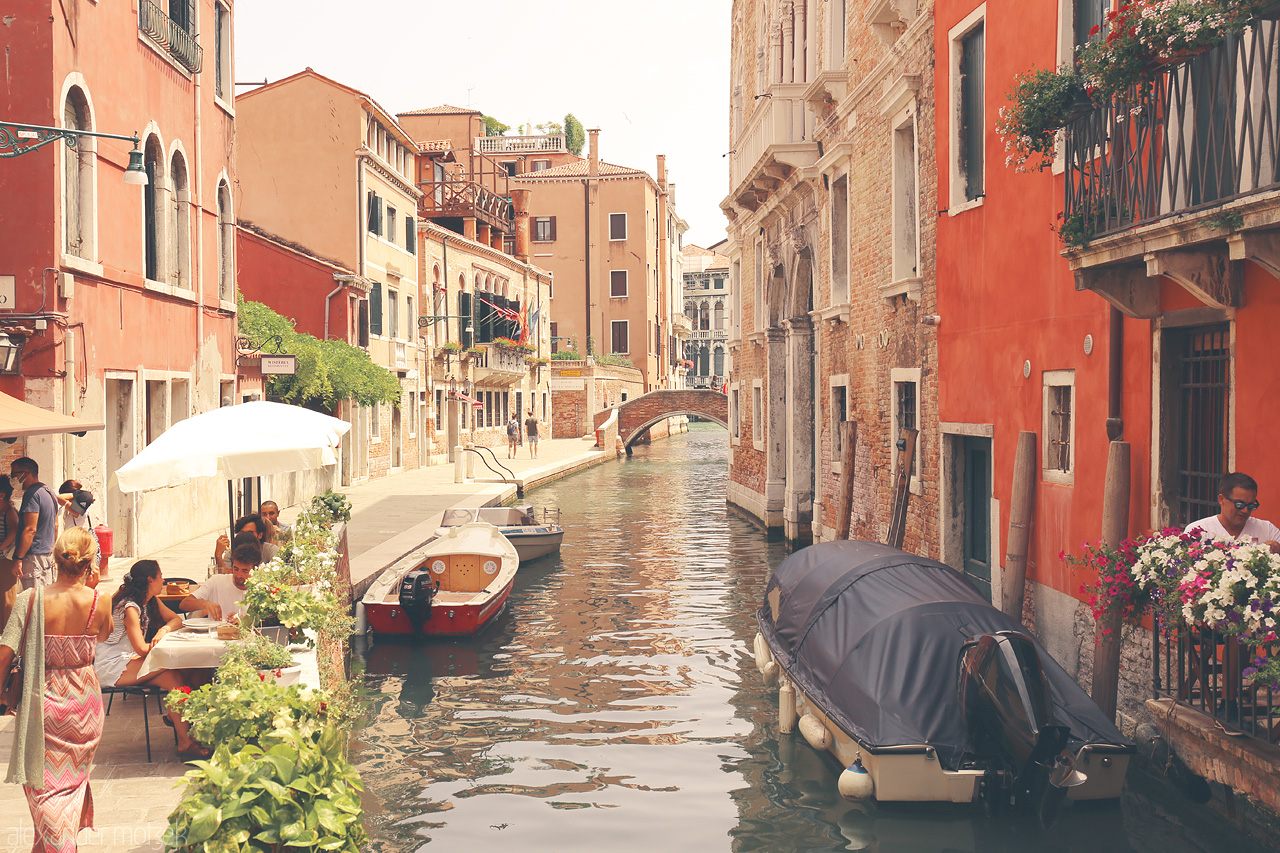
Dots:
{"x": 11, "y": 690}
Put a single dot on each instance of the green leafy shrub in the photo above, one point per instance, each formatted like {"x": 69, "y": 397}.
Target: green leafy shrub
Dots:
{"x": 257, "y": 652}
{"x": 333, "y": 505}
{"x": 566, "y": 355}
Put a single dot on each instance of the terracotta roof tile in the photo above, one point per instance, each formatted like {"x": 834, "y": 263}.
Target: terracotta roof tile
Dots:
{"x": 580, "y": 169}
{"x": 442, "y": 110}
{"x": 435, "y": 145}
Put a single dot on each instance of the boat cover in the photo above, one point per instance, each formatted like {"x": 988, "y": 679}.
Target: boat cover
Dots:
{"x": 873, "y": 636}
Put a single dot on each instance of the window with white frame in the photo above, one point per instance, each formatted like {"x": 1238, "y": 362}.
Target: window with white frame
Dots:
{"x": 390, "y": 231}
{"x": 1059, "y": 429}
{"x": 544, "y": 229}
{"x": 840, "y": 240}
{"x": 967, "y": 41}
{"x": 839, "y": 385}
{"x": 735, "y": 425}
{"x": 906, "y": 415}
{"x": 222, "y": 79}
{"x": 836, "y": 17}
{"x": 617, "y": 226}
{"x": 757, "y": 414}
{"x": 153, "y": 209}
{"x": 618, "y": 339}
{"x": 540, "y": 165}
{"x": 78, "y": 203}
{"x": 759, "y": 296}
{"x": 617, "y": 282}
{"x": 375, "y": 421}
{"x": 393, "y": 314}
{"x": 906, "y": 200}
{"x": 179, "y": 224}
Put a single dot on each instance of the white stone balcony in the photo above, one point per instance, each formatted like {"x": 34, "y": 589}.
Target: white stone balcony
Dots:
{"x": 777, "y": 140}
{"x": 547, "y": 144}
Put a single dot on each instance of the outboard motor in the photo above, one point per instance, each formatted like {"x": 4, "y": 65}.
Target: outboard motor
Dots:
{"x": 1008, "y": 712}
{"x": 417, "y": 591}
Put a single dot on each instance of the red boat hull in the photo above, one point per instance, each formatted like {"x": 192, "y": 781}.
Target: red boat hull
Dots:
{"x": 447, "y": 620}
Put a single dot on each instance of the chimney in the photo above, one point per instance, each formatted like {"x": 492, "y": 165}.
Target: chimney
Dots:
{"x": 520, "y": 201}
{"x": 662, "y": 172}
{"x": 594, "y": 134}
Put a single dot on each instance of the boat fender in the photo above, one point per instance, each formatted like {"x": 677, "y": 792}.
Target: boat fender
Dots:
{"x": 362, "y": 619}
{"x": 761, "y": 648}
{"x": 786, "y": 708}
{"x": 771, "y": 672}
{"x": 855, "y": 782}
{"x": 815, "y": 732}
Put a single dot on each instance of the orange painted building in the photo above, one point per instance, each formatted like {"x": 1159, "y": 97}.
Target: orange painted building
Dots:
{"x": 124, "y": 295}
{"x": 1154, "y": 330}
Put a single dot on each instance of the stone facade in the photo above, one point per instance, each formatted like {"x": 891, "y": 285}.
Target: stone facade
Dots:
{"x": 708, "y": 305}
{"x": 832, "y": 266}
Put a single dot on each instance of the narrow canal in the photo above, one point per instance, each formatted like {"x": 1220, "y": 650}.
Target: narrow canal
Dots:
{"x": 617, "y": 706}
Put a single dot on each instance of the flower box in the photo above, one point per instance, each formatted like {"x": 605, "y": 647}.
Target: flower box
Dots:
{"x": 282, "y": 675}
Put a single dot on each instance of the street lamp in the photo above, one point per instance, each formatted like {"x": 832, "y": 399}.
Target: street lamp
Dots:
{"x": 10, "y": 349}
{"x": 427, "y": 320}
{"x": 17, "y": 139}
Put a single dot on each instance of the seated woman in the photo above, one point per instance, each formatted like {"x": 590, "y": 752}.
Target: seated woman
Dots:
{"x": 120, "y": 656}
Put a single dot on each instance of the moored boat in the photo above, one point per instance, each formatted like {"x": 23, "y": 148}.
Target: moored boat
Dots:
{"x": 923, "y": 690}
{"x": 455, "y": 585}
{"x": 532, "y": 538}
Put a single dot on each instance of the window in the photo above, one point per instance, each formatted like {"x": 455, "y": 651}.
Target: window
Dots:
{"x": 840, "y": 240}
{"x": 906, "y": 202}
{"x": 393, "y": 314}
{"x": 390, "y": 230}
{"x": 157, "y": 409}
{"x": 719, "y": 363}
{"x": 906, "y": 415}
{"x": 704, "y": 318}
{"x": 411, "y": 320}
{"x": 969, "y": 68}
{"x": 439, "y": 409}
{"x": 757, "y": 414}
{"x": 509, "y": 167}
{"x": 735, "y": 423}
{"x": 759, "y": 297}
{"x": 226, "y": 244}
{"x": 1088, "y": 14}
{"x": 375, "y": 421}
{"x": 836, "y": 24}
{"x": 1058, "y": 456}
{"x": 77, "y": 179}
{"x": 181, "y": 12}
{"x": 152, "y": 210}
{"x": 179, "y": 225}
{"x": 719, "y": 317}
{"x": 619, "y": 337}
{"x": 544, "y": 229}
{"x": 410, "y": 234}
{"x": 222, "y": 80}
{"x": 839, "y": 415}
{"x": 362, "y": 322}
{"x": 375, "y": 214}
{"x": 617, "y": 282}
{"x": 375, "y": 308}
{"x": 540, "y": 165}
{"x": 617, "y": 226}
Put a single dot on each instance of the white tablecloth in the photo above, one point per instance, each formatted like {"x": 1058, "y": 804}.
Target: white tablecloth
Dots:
{"x": 184, "y": 650}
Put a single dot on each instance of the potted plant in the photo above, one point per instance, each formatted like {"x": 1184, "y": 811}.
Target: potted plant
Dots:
{"x": 449, "y": 348}
{"x": 270, "y": 660}
{"x": 505, "y": 343}
{"x": 1041, "y": 103}
{"x": 475, "y": 351}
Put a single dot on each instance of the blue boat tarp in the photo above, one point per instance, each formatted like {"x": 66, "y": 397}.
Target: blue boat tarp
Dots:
{"x": 873, "y": 636}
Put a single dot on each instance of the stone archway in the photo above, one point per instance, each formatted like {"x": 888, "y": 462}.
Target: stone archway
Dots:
{"x": 638, "y": 414}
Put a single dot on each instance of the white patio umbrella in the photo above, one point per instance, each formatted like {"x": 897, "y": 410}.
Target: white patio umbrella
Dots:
{"x": 248, "y": 440}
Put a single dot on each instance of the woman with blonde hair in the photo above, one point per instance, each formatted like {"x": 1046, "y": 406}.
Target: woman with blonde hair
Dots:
{"x": 60, "y": 719}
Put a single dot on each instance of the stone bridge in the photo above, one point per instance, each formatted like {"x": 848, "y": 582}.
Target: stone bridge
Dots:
{"x": 639, "y": 413}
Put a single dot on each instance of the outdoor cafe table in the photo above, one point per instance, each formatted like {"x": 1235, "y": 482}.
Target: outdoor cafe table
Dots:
{"x": 185, "y": 649}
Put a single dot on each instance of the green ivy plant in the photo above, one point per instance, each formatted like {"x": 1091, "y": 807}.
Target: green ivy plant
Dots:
{"x": 292, "y": 791}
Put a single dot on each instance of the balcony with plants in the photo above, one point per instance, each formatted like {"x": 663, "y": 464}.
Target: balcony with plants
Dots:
{"x": 1169, "y": 148}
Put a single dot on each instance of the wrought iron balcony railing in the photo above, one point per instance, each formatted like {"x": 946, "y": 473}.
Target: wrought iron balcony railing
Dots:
{"x": 170, "y": 35}
{"x": 1203, "y": 133}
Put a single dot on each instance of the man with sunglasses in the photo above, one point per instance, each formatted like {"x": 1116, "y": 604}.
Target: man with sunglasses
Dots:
{"x": 1238, "y": 498}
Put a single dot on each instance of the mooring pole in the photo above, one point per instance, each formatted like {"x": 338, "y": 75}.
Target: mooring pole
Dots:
{"x": 1024, "y": 492}
{"x": 1115, "y": 526}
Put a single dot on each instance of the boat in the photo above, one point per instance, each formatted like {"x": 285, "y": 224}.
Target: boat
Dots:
{"x": 533, "y": 539}
{"x": 923, "y": 691}
{"x": 453, "y": 586}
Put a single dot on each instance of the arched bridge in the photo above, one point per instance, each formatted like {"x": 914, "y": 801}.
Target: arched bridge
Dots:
{"x": 638, "y": 414}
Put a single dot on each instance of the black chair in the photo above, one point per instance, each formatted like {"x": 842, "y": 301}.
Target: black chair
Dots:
{"x": 144, "y": 691}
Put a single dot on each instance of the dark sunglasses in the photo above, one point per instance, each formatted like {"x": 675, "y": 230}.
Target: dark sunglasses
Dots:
{"x": 1242, "y": 505}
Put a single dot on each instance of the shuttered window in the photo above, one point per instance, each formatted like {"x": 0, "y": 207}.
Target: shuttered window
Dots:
{"x": 544, "y": 229}
{"x": 375, "y": 309}
{"x": 375, "y": 214}
{"x": 464, "y": 321}
{"x": 972, "y": 112}
{"x": 410, "y": 234}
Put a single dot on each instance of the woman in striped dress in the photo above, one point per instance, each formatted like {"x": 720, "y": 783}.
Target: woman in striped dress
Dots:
{"x": 60, "y": 720}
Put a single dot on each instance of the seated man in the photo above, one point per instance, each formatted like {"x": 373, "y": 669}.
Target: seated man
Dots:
{"x": 270, "y": 513}
{"x": 1238, "y": 498}
{"x": 220, "y": 596}
{"x": 252, "y": 523}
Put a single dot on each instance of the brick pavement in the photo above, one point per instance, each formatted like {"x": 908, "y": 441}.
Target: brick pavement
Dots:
{"x": 390, "y": 517}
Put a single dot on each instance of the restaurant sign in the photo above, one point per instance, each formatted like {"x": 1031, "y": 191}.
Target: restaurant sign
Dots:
{"x": 279, "y": 365}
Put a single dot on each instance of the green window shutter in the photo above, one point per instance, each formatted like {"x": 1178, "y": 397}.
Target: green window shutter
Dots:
{"x": 375, "y": 309}
{"x": 375, "y": 214}
{"x": 464, "y": 312}
{"x": 411, "y": 234}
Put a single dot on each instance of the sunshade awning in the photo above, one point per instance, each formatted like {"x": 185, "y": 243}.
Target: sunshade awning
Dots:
{"x": 458, "y": 395}
{"x": 19, "y": 419}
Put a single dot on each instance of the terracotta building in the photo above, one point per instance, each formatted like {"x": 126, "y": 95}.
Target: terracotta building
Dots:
{"x": 831, "y": 253}
{"x": 122, "y": 296}
{"x": 325, "y": 168}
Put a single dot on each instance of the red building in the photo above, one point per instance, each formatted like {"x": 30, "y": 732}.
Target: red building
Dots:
{"x": 1153, "y": 331}
{"x": 123, "y": 295}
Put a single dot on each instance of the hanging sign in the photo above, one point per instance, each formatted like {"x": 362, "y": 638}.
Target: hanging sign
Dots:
{"x": 279, "y": 365}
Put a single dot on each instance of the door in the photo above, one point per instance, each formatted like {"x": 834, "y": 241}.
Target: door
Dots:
{"x": 1196, "y": 379}
{"x": 976, "y": 493}
{"x": 396, "y": 460}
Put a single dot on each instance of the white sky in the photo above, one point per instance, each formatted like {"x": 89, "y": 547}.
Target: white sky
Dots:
{"x": 653, "y": 76}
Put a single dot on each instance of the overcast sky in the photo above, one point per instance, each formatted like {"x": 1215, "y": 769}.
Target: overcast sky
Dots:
{"x": 652, "y": 76}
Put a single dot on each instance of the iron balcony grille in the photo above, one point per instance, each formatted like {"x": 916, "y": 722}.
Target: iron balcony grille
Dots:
{"x": 168, "y": 34}
{"x": 1204, "y": 132}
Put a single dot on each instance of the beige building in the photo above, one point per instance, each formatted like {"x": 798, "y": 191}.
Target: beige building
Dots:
{"x": 708, "y": 305}
{"x": 323, "y": 166}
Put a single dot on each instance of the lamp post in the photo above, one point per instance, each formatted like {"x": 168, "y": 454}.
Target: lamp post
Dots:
{"x": 17, "y": 139}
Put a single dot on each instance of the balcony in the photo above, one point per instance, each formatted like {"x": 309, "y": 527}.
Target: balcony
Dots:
{"x": 548, "y": 144}
{"x": 401, "y": 354}
{"x": 451, "y": 199}
{"x": 777, "y": 140}
{"x": 170, "y": 36}
{"x": 499, "y": 365}
{"x": 681, "y": 325}
{"x": 1180, "y": 179}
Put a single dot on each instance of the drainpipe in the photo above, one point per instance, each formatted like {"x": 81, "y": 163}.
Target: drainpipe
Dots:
{"x": 444, "y": 279}
{"x": 1115, "y": 374}
{"x": 586, "y": 218}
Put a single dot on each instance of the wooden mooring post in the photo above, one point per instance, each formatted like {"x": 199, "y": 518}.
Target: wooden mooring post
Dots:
{"x": 902, "y": 490}
{"x": 1115, "y": 525}
{"x": 1024, "y": 493}
{"x": 848, "y": 453}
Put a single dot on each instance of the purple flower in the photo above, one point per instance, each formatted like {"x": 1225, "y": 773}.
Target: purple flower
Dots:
{"x": 1249, "y": 672}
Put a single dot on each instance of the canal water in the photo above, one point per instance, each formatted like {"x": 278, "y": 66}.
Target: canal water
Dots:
{"x": 616, "y": 706}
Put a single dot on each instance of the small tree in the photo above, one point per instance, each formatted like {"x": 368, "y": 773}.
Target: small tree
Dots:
{"x": 493, "y": 127}
{"x": 549, "y": 128}
{"x": 574, "y": 135}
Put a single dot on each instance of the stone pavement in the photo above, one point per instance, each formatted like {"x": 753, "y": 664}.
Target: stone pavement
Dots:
{"x": 390, "y": 517}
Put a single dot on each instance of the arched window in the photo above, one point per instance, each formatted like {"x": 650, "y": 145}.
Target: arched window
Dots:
{"x": 719, "y": 317}
{"x": 719, "y": 363}
{"x": 704, "y": 318}
{"x": 704, "y": 361}
{"x": 77, "y": 178}
{"x": 226, "y": 244}
{"x": 690, "y": 310}
{"x": 179, "y": 224}
{"x": 154, "y": 208}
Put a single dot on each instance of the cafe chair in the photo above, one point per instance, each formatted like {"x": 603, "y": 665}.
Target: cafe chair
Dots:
{"x": 144, "y": 691}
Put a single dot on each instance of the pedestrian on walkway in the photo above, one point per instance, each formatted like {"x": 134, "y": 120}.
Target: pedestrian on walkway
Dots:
{"x": 39, "y": 513}
{"x": 513, "y": 435}
{"x": 531, "y": 432}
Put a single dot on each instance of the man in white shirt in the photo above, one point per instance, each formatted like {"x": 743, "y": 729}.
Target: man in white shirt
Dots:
{"x": 1238, "y": 498}
{"x": 221, "y": 596}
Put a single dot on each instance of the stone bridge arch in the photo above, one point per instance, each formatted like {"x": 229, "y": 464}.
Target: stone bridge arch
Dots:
{"x": 639, "y": 413}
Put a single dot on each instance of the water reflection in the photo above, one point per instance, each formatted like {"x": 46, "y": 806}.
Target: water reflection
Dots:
{"x": 616, "y": 706}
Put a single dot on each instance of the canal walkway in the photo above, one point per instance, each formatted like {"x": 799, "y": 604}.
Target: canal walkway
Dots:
{"x": 390, "y": 516}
